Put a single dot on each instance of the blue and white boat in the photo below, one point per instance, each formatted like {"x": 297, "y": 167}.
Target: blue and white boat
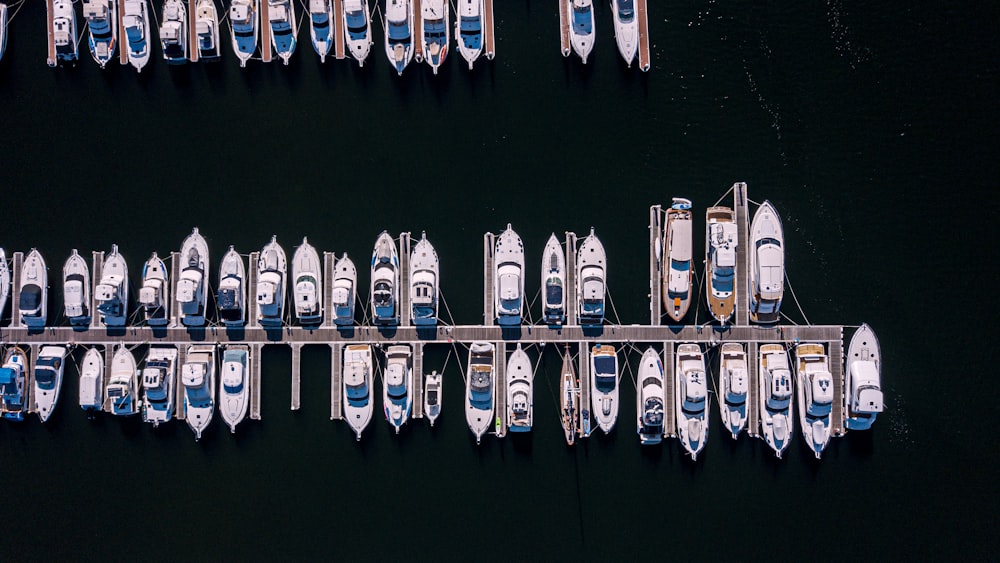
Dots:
{"x": 102, "y": 23}
{"x": 581, "y": 31}
{"x": 469, "y": 29}
{"x": 734, "y": 385}
{"x": 154, "y": 295}
{"x": 32, "y": 302}
{"x": 159, "y": 377}
{"x": 767, "y": 265}
{"x": 357, "y": 399}
{"x": 678, "y": 274}
{"x": 385, "y": 281}
{"x": 174, "y": 32}
{"x": 345, "y": 291}
{"x": 122, "y": 392}
{"x": 721, "y": 239}
{"x": 111, "y": 293}
{"x": 358, "y": 29}
{"x": 399, "y": 33}
{"x": 64, "y": 31}
{"x": 480, "y": 389}
{"x": 192, "y": 287}
{"x": 321, "y": 26}
{"x": 307, "y": 284}
{"x": 626, "y": 28}
{"x": 272, "y": 275}
{"x": 815, "y": 395}
{"x": 863, "y": 397}
{"x": 508, "y": 278}
{"x": 691, "y": 398}
{"x": 234, "y": 394}
{"x": 76, "y": 290}
{"x": 591, "y": 280}
{"x": 136, "y": 24}
{"x": 434, "y": 17}
{"x": 432, "y": 396}
{"x": 198, "y": 378}
{"x": 553, "y": 283}
{"x": 232, "y": 295}
{"x": 397, "y": 388}
{"x": 649, "y": 400}
{"x": 91, "y": 390}
{"x": 12, "y": 382}
{"x": 244, "y": 28}
{"x": 520, "y": 392}
{"x": 284, "y": 27}
{"x": 604, "y": 385}
{"x": 49, "y": 366}
{"x": 774, "y": 379}
{"x": 424, "y": 280}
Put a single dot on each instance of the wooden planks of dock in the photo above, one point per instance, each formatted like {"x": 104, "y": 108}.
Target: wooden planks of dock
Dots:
{"x": 753, "y": 392}
{"x": 643, "y": 20}
{"x": 488, "y": 30}
{"x": 192, "y": 20}
{"x": 669, "y": 416}
{"x": 835, "y": 350}
{"x": 336, "y": 375}
{"x": 489, "y": 315}
{"x": 296, "y": 376}
{"x": 741, "y": 315}
{"x": 655, "y": 268}
{"x": 570, "y": 289}
{"x": 339, "y": 36}
{"x": 418, "y": 380}
{"x": 500, "y": 353}
{"x": 122, "y": 42}
{"x": 251, "y": 305}
{"x": 418, "y": 37}
{"x": 266, "y": 52}
{"x": 584, "y": 375}
{"x": 180, "y": 412}
{"x": 405, "y": 310}
{"x": 15, "y": 290}
{"x": 50, "y": 25}
{"x": 255, "y": 381}
{"x": 564, "y": 23}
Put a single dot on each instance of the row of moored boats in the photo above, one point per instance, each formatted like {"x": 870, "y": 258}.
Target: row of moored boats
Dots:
{"x": 582, "y": 32}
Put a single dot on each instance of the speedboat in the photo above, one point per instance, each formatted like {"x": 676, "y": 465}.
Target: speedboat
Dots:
{"x": 734, "y": 385}
{"x": 863, "y": 400}
{"x": 102, "y": 22}
{"x": 284, "y": 27}
{"x": 591, "y": 280}
{"x": 321, "y": 27}
{"x": 767, "y": 264}
{"x": 4, "y": 282}
{"x": 3, "y": 35}
{"x": 158, "y": 380}
{"x": 626, "y": 28}
{"x": 604, "y": 385}
{"x": 12, "y": 378}
{"x": 307, "y": 284}
{"x": 581, "y": 31}
{"x": 678, "y": 275}
{"x": 774, "y": 381}
{"x": 198, "y": 378}
{"x": 111, "y": 293}
{"x": 508, "y": 278}
{"x": 569, "y": 399}
{"x": 49, "y": 367}
{"x": 397, "y": 388}
{"x": 358, "y": 29}
{"x": 424, "y": 283}
{"x": 32, "y": 301}
{"x": 553, "y": 283}
{"x": 480, "y": 397}
{"x": 136, "y": 24}
{"x": 173, "y": 32}
{"x": 434, "y": 19}
{"x": 154, "y": 295}
{"x": 691, "y": 398}
{"x": 206, "y": 27}
{"x": 243, "y": 25}
{"x": 123, "y": 390}
{"x": 399, "y": 33}
{"x": 192, "y": 287}
{"x": 272, "y": 272}
{"x": 234, "y": 394}
{"x": 344, "y": 294}
{"x": 91, "y": 390}
{"x": 76, "y": 290}
{"x": 358, "y": 387}
{"x": 232, "y": 295}
{"x": 64, "y": 30}
{"x": 720, "y": 255}
{"x": 520, "y": 392}
{"x": 815, "y": 394}
{"x": 432, "y": 396}
{"x": 649, "y": 399}
{"x": 469, "y": 29}
{"x": 385, "y": 281}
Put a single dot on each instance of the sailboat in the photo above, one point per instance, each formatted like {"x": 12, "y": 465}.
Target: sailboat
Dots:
{"x": 569, "y": 399}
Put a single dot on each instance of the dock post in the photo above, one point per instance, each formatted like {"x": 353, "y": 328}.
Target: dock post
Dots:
{"x": 583, "y": 360}
{"x": 338, "y": 30}
{"x": 491, "y": 49}
{"x": 655, "y": 267}
{"x": 29, "y": 380}
{"x": 418, "y": 380}
{"x": 643, "y": 20}
{"x": 255, "y": 380}
{"x": 742, "y": 286}
{"x": 404, "y": 276}
{"x": 251, "y": 307}
{"x": 835, "y": 349}
{"x": 175, "y": 277}
{"x": 296, "y": 375}
{"x": 15, "y": 289}
{"x": 489, "y": 315}
{"x": 180, "y": 409}
{"x": 501, "y": 387}
{"x": 753, "y": 396}
{"x": 564, "y": 19}
{"x": 336, "y": 355}
{"x": 329, "y": 272}
{"x": 669, "y": 417}
{"x": 570, "y": 289}
{"x": 108, "y": 355}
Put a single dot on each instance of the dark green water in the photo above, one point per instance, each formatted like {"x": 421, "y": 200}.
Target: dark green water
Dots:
{"x": 871, "y": 127}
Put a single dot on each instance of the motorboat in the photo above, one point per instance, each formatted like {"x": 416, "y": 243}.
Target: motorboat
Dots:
{"x": 469, "y": 29}
{"x": 158, "y": 379}
{"x": 4, "y": 282}
{"x": 553, "y": 283}
{"x": 385, "y": 281}
{"x": 480, "y": 389}
{"x": 154, "y": 295}
{"x": 3, "y": 34}
{"x": 604, "y": 384}
{"x": 767, "y": 265}
{"x": 198, "y": 378}
{"x": 626, "y": 29}
{"x": 424, "y": 280}
{"x": 206, "y": 27}
{"x": 91, "y": 390}
{"x": 814, "y": 390}
{"x": 174, "y": 32}
{"x": 102, "y": 25}
{"x": 774, "y": 380}
{"x": 32, "y": 302}
{"x": 122, "y": 392}
{"x": 591, "y": 280}
{"x": 520, "y": 392}
{"x": 284, "y": 27}
{"x": 508, "y": 278}
{"x": 678, "y": 274}
{"x": 720, "y": 256}
{"x": 321, "y": 26}
{"x": 111, "y": 293}
{"x": 434, "y": 18}
{"x": 12, "y": 380}
{"x": 232, "y": 295}
{"x": 691, "y": 398}
{"x": 234, "y": 393}
{"x": 344, "y": 294}
{"x": 76, "y": 290}
{"x": 307, "y": 284}
{"x": 432, "y": 396}
{"x": 399, "y": 33}
{"x": 136, "y": 25}
{"x": 272, "y": 273}
{"x": 358, "y": 29}
{"x": 569, "y": 399}
{"x": 64, "y": 31}
{"x": 357, "y": 370}
{"x": 192, "y": 285}
{"x": 734, "y": 386}
{"x": 49, "y": 366}
{"x": 243, "y": 25}
{"x": 581, "y": 31}
{"x": 397, "y": 388}
{"x": 863, "y": 398}
{"x": 649, "y": 400}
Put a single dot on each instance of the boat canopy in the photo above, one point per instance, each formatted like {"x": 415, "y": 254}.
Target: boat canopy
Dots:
{"x": 228, "y": 298}
{"x": 265, "y": 292}
{"x": 738, "y": 381}
{"x": 194, "y": 374}
{"x": 680, "y": 240}
{"x": 149, "y": 293}
{"x": 305, "y": 291}
{"x": 73, "y": 293}
{"x": 30, "y": 298}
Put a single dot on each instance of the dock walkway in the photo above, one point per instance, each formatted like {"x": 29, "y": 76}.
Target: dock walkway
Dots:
{"x": 265, "y": 33}
{"x": 489, "y": 31}
{"x": 643, "y": 20}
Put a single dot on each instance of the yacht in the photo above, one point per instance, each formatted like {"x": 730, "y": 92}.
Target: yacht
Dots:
{"x": 569, "y": 399}
{"x": 815, "y": 394}
{"x": 397, "y": 388}
{"x": 358, "y": 387}
{"x": 520, "y": 392}
{"x": 691, "y": 398}
{"x": 91, "y": 391}
{"x": 49, "y": 366}
{"x": 581, "y": 33}
{"x": 508, "y": 278}
{"x": 863, "y": 398}
{"x": 158, "y": 379}
{"x": 432, "y": 396}
{"x": 206, "y": 27}
{"x": 424, "y": 281}
{"x": 469, "y": 29}
{"x": 154, "y": 298}
{"x": 243, "y": 25}
{"x": 284, "y": 27}
{"x": 720, "y": 256}
{"x": 767, "y": 264}
{"x": 734, "y": 386}
{"x": 344, "y": 294}
{"x": 321, "y": 26}
{"x": 76, "y": 290}
{"x": 307, "y": 284}
{"x": 198, "y": 378}
{"x": 678, "y": 275}
{"x": 102, "y": 23}
{"x": 173, "y": 32}
{"x": 591, "y": 280}
{"x": 553, "y": 283}
{"x": 434, "y": 18}
{"x": 358, "y": 29}
{"x": 604, "y": 384}
{"x": 122, "y": 390}
{"x": 64, "y": 30}
{"x": 3, "y": 32}
{"x": 385, "y": 281}
{"x": 4, "y": 281}
{"x": 626, "y": 28}
{"x": 111, "y": 293}
{"x": 775, "y": 394}
{"x": 192, "y": 286}
{"x": 649, "y": 399}
{"x": 480, "y": 397}
{"x": 232, "y": 295}
{"x": 32, "y": 303}
{"x": 12, "y": 379}
{"x": 234, "y": 393}
{"x": 272, "y": 272}
{"x": 399, "y": 33}
{"x": 136, "y": 25}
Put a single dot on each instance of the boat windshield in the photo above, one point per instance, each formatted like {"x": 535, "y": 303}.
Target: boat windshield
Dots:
{"x": 680, "y": 265}
{"x": 399, "y": 32}
{"x": 693, "y": 407}
{"x": 396, "y": 393}
{"x": 234, "y": 389}
{"x": 554, "y": 294}
{"x": 31, "y": 296}
{"x": 357, "y": 395}
{"x": 723, "y": 278}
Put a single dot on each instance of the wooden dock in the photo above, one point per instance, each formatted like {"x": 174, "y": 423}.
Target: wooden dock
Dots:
{"x": 17, "y": 262}
{"x": 570, "y": 290}
{"x": 501, "y": 389}
{"x": 192, "y": 18}
{"x": 488, "y": 30}
{"x": 296, "y": 376}
{"x": 405, "y": 311}
{"x": 583, "y": 374}
{"x": 741, "y": 316}
{"x": 171, "y": 297}
{"x": 489, "y": 315}
{"x": 418, "y": 36}
{"x": 564, "y": 23}
{"x": 336, "y": 382}
{"x": 266, "y": 52}
{"x": 655, "y": 267}
{"x": 109, "y": 353}
{"x": 669, "y": 416}
{"x": 251, "y": 305}
{"x": 339, "y": 33}
{"x": 418, "y": 381}
{"x": 643, "y": 20}
{"x": 835, "y": 350}
{"x": 329, "y": 273}
{"x": 50, "y": 25}
{"x": 29, "y": 380}
{"x": 180, "y": 412}
{"x": 122, "y": 40}
{"x": 255, "y": 383}
{"x": 753, "y": 392}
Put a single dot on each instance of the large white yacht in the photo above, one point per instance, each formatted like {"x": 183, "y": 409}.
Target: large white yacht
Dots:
{"x": 12, "y": 384}
{"x": 159, "y": 376}
{"x": 102, "y": 23}
{"x": 591, "y": 280}
{"x": 357, "y": 400}
{"x": 122, "y": 391}
{"x": 174, "y": 32}
{"x": 649, "y": 398}
{"x": 480, "y": 389}
{"x": 814, "y": 386}
{"x": 569, "y": 399}
{"x": 49, "y": 365}
{"x": 111, "y": 293}
{"x": 64, "y": 30}
{"x": 32, "y": 303}
{"x": 553, "y": 283}
{"x": 206, "y": 27}
{"x": 192, "y": 286}
{"x": 863, "y": 388}
{"x": 385, "y": 281}
{"x": 344, "y": 294}
{"x": 520, "y": 392}
{"x": 432, "y": 396}
{"x": 4, "y": 281}
{"x": 774, "y": 378}
{"x": 307, "y": 284}
{"x": 399, "y": 33}
{"x": 76, "y": 290}
{"x": 234, "y": 393}
{"x": 626, "y": 28}
{"x": 397, "y": 386}
{"x": 154, "y": 295}
{"x": 91, "y": 390}
{"x": 136, "y": 29}
{"x": 581, "y": 32}
{"x": 198, "y": 378}
{"x": 720, "y": 256}
{"x": 691, "y": 398}
{"x": 469, "y": 29}
{"x": 604, "y": 384}
{"x": 434, "y": 17}
{"x": 424, "y": 280}
{"x": 678, "y": 274}
{"x": 244, "y": 27}
{"x": 231, "y": 299}
{"x": 321, "y": 27}
{"x": 508, "y": 278}
{"x": 767, "y": 264}
{"x": 734, "y": 385}
{"x": 358, "y": 29}
{"x": 284, "y": 27}
{"x": 272, "y": 272}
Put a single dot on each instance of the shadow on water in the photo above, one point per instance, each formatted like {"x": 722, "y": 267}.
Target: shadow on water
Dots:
{"x": 115, "y": 331}
{"x": 522, "y": 442}
{"x": 859, "y": 444}
{"x": 652, "y": 453}
{"x": 159, "y": 331}
{"x": 388, "y": 331}
{"x": 196, "y": 333}
{"x": 274, "y": 333}
{"x": 346, "y": 331}
{"x": 427, "y": 332}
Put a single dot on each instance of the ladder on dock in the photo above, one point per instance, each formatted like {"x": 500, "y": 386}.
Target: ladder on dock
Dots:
{"x": 564, "y": 23}
{"x": 405, "y": 310}
{"x": 192, "y": 18}
{"x": 742, "y": 313}
{"x": 583, "y": 374}
{"x": 669, "y": 417}
{"x": 643, "y": 19}
{"x": 570, "y": 289}
{"x": 489, "y": 315}
{"x": 336, "y": 375}
{"x": 265, "y": 32}
{"x": 655, "y": 267}
{"x": 296, "y": 376}
{"x": 338, "y": 30}
{"x": 489, "y": 33}
{"x": 418, "y": 380}
{"x": 500, "y": 353}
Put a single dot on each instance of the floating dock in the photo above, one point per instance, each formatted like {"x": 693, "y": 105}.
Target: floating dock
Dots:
{"x": 265, "y": 33}
{"x": 338, "y": 30}
{"x": 488, "y": 30}
{"x": 643, "y": 20}
{"x": 564, "y": 23}
{"x": 192, "y": 18}
{"x": 418, "y": 37}
{"x": 122, "y": 42}
{"x": 50, "y": 25}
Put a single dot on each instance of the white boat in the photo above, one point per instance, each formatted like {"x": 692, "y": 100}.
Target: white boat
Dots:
{"x": 102, "y": 25}
{"x": 3, "y": 35}
{"x": 284, "y": 27}
{"x": 244, "y": 28}
{"x": 206, "y": 27}
{"x": 399, "y": 33}
{"x": 307, "y": 284}
{"x": 734, "y": 386}
{"x": 91, "y": 391}
{"x": 357, "y": 29}
{"x": 122, "y": 391}
{"x": 434, "y": 17}
{"x": 385, "y": 281}
{"x": 480, "y": 389}
{"x": 649, "y": 400}
{"x": 397, "y": 388}
{"x": 321, "y": 26}
{"x": 231, "y": 298}
{"x": 159, "y": 376}
{"x": 154, "y": 295}
{"x": 174, "y": 32}
{"x": 691, "y": 398}
{"x": 345, "y": 290}
{"x": 604, "y": 384}
{"x": 198, "y": 378}
{"x": 424, "y": 280}
{"x": 863, "y": 397}
{"x": 678, "y": 274}
{"x": 136, "y": 24}
{"x": 720, "y": 257}
{"x": 469, "y": 29}
{"x": 12, "y": 384}
{"x": 591, "y": 280}
{"x": 569, "y": 399}
{"x": 192, "y": 285}
{"x": 581, "y": 31}
{"x": 32, "y": 302}
{"x": 814, "y": 386}
{"x": 49, "y": 366}
{"x": 76, "y": 290}
{"x": 4, "y": 282}
{"x": 553, "y": 283}
{"x": 520, "y": 392}
{"x": 767, "y": 265}
{"x": 626, "y": 28}
{"x": 432, "y": 396}
{"x": 234, "y": 393}
{"x": 111, "y": 293}
{"x": 774, "y": 380}
{"x": 272, "y": 273}
{"x": 508, "y": 278}
{"x": 357, "y": 390}
{"x": 64, "y": 30}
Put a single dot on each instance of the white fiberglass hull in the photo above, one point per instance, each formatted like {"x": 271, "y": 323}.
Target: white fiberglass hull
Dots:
{"x": 231, "y": 298}
{"x": 198, "y": 379}
{"x": 424, "y": 281}
{"x": 91, "y": 388}
{"x": 626, "y": 29}
{"x": 582, "y": 30}
{"x": 767, "y": 265}
{"x": 691, "y": 398}
{"x": 159, "y": 380}
{"x": 272, "y": 275}
{"x": 344, "y": 295}
{"x": 604, "y": 386}
{"x": 734, "y": 385}
{"x": 863, "y": 386}
{"x": 357, "y": 387}
{"x": 399, "y": 33}
{"x": 432, "y": 397}
{"x": 307, "y": 284}
{"x": 49, "y": 367}
{"x": 154, "y": 295}
{"x": 234, "y": 391}
{"x": 520, "y": 392}
{"x": 123, "y": 387}
{"x": 591, "y": 280}
{"x": 480, "y": 389}
{"x": 508, "y": 278}
{"x": 34, "y": 296}
{"x": 76, "y": 290}
{"x": 553, "y": 282}
{"x": 650, "y": 403}
{"x": 774, "y": 381}
{"x": 397, "y": 386}
{"x": 111, "y": 294}
{"x": 192, "y": 287}
{"x": 357, "y": 29}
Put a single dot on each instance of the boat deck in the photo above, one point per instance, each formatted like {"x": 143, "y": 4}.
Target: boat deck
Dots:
{"x": 488, "y": 30}
{"x": 265, "y": 33}
{"x": 643, "y": 20}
